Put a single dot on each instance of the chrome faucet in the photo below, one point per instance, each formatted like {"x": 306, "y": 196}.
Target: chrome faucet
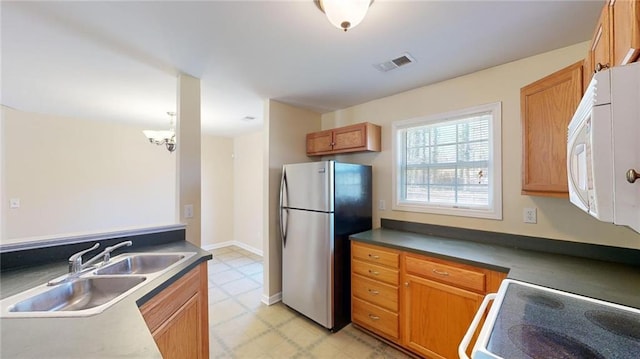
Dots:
{"x": 75, "y": 261}
{"x": 76, "y": 267}
{"x": 107, "y": 251}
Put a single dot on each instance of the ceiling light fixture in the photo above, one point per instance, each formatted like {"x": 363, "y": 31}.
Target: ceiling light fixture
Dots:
{"x": 344, "y": 14}
{"x": 164, "y": 137}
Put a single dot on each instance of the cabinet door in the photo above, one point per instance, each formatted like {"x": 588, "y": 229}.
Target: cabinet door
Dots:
{"x": 436, "y": 316}
{"x": 601, "y": 42}
{"x": 350, "y": 137}
{"x": 178, "y": 316}
{"x": 547, "y": 106}
{"x": 625, "y": 27}
{"x": 318, "y": 142}
{"x": 355, "y": 138}
{"x": 180, "y": 336}
{"x": 587, "y": 73}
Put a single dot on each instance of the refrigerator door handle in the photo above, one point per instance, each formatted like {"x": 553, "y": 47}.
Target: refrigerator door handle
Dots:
{"x": 283, "y": 188}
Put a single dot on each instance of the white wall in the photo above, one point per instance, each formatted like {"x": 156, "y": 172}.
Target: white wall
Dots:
{"x": 81, "y": 176}
{"x": 247, "y": 190}
{"x": 189, "y": 153}
{"x": 85, "y": 176}
{"x": 217, "y": 190}
{"x": 557, "y": 218}
{"x": 284, "y": 142}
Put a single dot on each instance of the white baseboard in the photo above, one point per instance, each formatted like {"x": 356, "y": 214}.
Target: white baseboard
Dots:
{"x": 272, "y": 299}
{"x": 244, "y": 246}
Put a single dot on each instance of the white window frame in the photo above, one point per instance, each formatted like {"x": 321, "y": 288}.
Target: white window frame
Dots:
{"x": 494, "y": 210}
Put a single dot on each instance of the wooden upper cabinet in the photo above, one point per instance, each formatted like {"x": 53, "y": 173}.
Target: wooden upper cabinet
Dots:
{"x": 600, "y": 51}
{"x": 587, "y": 74}
{"x": 320, "y": 142}
{"x": 355, "y": 138}
{"x": 547, "y": 106}
{"x": 616, "y": 38}
{"x": 625, "y": 31}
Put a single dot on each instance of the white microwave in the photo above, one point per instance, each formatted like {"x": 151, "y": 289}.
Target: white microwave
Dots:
{"x": 603, "y": 147}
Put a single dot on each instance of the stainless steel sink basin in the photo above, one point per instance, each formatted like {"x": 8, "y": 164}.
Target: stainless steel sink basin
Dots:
{"x": 78, "y": 294}
{"x": 141, "y": 263}
{"x": 93, "y": 290}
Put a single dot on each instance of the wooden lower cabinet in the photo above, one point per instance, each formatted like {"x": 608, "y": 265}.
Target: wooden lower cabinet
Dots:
{"x": 374, "y": 289}
{"x": 182, "y": 327}
{"x": 420, "y": 304}
{"x": 436, "y": 316}
{"x": 375, "y": 292}
{"x": 178, "y": 316}
{"x": 375, "y": 318}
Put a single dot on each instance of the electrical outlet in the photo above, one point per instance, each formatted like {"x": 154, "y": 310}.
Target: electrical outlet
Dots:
{"x": 381, "y": 205}
{"x": 530, "y": 215}
{"x": 188, "y": 211}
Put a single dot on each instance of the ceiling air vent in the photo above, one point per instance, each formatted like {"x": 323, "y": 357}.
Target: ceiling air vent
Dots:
{"x": 387, "y": 66}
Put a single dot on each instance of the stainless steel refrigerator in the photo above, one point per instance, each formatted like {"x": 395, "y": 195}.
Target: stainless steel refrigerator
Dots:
{"x": 321, "y": 204}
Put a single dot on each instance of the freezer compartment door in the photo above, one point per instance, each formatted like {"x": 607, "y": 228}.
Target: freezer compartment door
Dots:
{"x": 308, "y": 186}
{"x": 307, "y": 265}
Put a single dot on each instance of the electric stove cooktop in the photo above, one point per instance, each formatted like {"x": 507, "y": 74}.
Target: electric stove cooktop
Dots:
{"x": 531, "y": 321}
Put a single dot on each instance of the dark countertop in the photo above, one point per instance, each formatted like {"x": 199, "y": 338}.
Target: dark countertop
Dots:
{"x": 613, "y": 282}
{"x": 120, "y": 331}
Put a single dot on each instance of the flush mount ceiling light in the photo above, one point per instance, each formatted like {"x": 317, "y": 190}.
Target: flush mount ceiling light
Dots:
{"x": 164, "y": 137}
{"x": 344, "y": 14}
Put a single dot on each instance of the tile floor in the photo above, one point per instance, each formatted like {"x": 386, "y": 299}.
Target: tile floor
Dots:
{"x": 240, "y": 326}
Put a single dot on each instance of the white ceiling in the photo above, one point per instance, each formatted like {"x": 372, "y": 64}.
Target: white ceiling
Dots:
{"x": 119, "y": 61}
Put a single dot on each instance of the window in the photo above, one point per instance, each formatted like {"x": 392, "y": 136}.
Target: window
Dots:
{"x": 450, "y": 163}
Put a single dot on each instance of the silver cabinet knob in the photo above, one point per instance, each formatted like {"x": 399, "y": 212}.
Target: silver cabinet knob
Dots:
{"x": 632, "y": 175}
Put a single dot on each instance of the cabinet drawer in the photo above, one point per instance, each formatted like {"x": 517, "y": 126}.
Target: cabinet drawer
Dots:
{"x": 446, "y": 273}
{"x": 375, "y": 255}
{"x": 369, "y": 270}
{"x": 375, "y": 292}
{"x": 375, "y": 318}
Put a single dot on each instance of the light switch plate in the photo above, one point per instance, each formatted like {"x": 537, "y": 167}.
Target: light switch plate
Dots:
{"x": 188, "y": 211}
{"x": 14, "y": 203}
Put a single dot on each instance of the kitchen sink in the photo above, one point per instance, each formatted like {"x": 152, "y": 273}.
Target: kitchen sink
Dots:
{"x": 141, "y": 263}
{"x": 94, "y": 289}
{"x": 78, "y": 294}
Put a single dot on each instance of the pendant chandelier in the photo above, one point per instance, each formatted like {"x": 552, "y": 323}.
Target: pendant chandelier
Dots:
{"x": 164, "y": 137}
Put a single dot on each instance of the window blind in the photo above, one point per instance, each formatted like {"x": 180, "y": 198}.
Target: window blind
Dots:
{"x": 447, "y": 163}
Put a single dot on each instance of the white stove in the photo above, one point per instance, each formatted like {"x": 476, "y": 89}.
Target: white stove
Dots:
{"x": 530, "y": 321}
